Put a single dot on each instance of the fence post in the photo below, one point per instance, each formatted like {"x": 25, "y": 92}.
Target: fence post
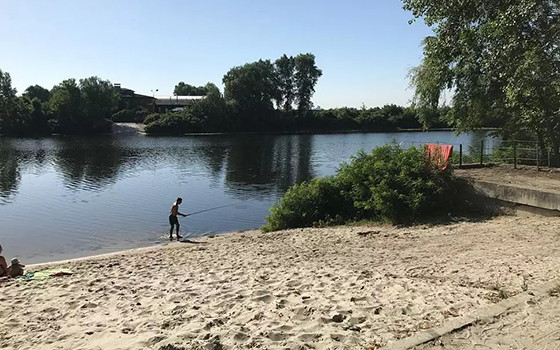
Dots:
{"x": 460, "y": 155}
{"x": 538, "y": 151}
{"x": 481, "y": 152}
{"x": 515, "y": 155}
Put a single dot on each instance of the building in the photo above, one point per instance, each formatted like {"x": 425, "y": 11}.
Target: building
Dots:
{"x": 131, "y": 100}
{"x": 161, "y": 103}
{"x": 167, "y": 102}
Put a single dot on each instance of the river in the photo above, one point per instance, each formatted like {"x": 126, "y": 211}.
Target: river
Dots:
{"x": 64, "y": 197}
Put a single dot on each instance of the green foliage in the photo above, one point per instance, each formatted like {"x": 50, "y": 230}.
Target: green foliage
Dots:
{"x": 250, "y": 89}
{"x": 37, "y": 91}
{"x": 316, "y": 202}
{"x": 211, "y": 112}
{"x": 498, "y": 59}
{"x": 173, "y": 123}
{"x": 183, "y": 89}
{"x": 390, "y": 184}
{"x": 15, "y": 112}
{"x": 285, "y": 68}
{"x": 83, "y": 108}
{"x": 137, "y": 115}
{"x": 306, "y": 76}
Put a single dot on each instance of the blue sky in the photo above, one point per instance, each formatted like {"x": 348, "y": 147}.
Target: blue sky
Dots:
{"x": 365, "y": 48}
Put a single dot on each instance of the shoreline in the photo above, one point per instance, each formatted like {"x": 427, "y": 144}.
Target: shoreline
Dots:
{"x": 341, "y": 287}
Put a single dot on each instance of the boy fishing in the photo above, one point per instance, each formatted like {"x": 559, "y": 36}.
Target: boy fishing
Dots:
{"x": 173, "y": 220}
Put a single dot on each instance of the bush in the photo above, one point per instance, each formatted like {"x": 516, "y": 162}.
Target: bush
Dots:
{"x": 388, "y": 184}
{"x": 317, "y": 202}
{"x": 130, "y": 115}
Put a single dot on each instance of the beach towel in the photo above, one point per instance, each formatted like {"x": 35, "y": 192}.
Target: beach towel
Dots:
{"x": 438, "y": 154}
{"x": 45, "y": 274}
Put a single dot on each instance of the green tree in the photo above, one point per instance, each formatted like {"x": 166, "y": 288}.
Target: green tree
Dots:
{"x": 285, "y": 79}
{"x": 250, "y": 89}
{"x": 14, "y": 112}
{"x": 183, "y": 89}
{"x": 66, "y": 104}
{"x": 83, "y": 108}
{"x": 214, "y": 109}
{"x": 37, "y": 91}
{"x": 99, "y": 98}
{"x": 499, "y": 60}
{"x": 306, "y": 77}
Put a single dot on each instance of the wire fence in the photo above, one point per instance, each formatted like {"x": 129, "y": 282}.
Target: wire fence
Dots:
{"x": 486, "y": 152}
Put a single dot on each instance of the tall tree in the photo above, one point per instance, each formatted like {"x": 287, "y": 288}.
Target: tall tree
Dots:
{"x": 84, "y": 107}
{"x": 285, "y": 79}
{"x": 499, "y": 60}
{"x": 14, "y": 112}
{"x": 306, "y": 77}
{"x": 66, "y": 103}
{"x": 37, "y": 91}
{"x": 99, "y": 98}
{"x": 251, "y": 88}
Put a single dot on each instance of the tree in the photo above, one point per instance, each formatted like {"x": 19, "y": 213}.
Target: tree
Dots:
{"x": 251, "y": 88}
{"x": 37, "y": 91}
{"x": 212, "y": 110}
{"x": 183, "y": 89}
{"x": 66, "y": 104}
{"x": 99, "y": 98}
{"x": 285, "y": 68}
{"x": 306, "y": 77}
{"x": 500, "y": 60}
{"x": 14, "y": 112}
{"x": 83, "y": 108}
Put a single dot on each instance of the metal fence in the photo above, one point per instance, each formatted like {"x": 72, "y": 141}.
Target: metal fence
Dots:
{"x": 514, "y": 152}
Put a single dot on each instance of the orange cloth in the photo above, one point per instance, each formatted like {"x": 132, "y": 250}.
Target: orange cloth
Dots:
{"x": 438, "y": 154}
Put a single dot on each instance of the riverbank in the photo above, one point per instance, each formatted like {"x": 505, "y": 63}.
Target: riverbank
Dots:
{"x": 342, "y": 288}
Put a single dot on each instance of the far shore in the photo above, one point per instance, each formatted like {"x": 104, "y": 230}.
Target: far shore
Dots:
{"x": 340, "y": 288}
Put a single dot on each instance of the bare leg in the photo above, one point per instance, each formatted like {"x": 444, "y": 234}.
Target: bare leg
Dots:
{"x": 178, "y": 235}
{"x": 171, "y": 233}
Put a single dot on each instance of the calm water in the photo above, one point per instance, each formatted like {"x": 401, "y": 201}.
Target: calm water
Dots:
{"x": 64, "y": 197}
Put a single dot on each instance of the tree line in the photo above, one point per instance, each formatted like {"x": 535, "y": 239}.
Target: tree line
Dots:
{"x": 71, "y": 107}
{"x": 268, "y": 96}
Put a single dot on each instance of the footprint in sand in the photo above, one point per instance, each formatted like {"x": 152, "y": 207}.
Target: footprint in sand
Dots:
{"x": 267, "y": 298}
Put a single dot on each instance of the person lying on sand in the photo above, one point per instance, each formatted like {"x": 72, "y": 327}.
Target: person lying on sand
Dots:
{"x": 173, "y": 220}
{"x": 4, "y": 270}
{"x": 16, "y": 269}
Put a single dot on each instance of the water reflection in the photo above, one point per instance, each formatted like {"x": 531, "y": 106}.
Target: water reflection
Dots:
{"x": 244, "y": 164}
{"x": 10, "y": 175}
{"x": 89, "y": 163}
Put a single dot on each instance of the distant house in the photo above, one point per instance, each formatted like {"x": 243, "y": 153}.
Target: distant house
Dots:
{"x": 160, "y": 103}
{"x": 132, "y": 100}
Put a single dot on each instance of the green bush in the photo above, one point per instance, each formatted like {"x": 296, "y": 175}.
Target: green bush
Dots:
{"x": 387, "y": 184}
{"x": 320, "y": 201}
{"x": 130, "y": 115}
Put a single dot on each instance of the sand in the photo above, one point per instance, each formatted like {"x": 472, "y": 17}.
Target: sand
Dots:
{"x": 338, "y": 288}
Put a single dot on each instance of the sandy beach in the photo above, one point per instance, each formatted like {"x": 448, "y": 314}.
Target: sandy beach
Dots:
{"x": 358, "y": 287}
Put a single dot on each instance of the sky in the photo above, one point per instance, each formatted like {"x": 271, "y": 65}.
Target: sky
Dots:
{"x": 365, "y": 48}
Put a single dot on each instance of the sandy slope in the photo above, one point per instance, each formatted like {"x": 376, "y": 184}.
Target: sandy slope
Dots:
{"x": 299, "y": 289}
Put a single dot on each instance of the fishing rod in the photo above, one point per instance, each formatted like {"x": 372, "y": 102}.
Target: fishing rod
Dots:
{"x": 209, "y": 209}
{"x": 214, "y": 208}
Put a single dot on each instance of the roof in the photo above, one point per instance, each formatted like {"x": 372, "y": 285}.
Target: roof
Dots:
{"x": 168, "y": 100}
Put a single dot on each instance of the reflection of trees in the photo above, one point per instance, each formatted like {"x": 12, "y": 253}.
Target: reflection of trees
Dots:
{"x": 268, "y": 163}
{"x": 9, "y": 170}
{"x": 92, "y": 162}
